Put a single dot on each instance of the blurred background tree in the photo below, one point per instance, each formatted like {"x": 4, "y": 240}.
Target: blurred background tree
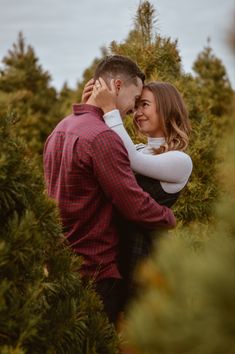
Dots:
{"x": 25, "y": 90}
{"x": 188, "y": 290}
{"x": 212, "y": 79}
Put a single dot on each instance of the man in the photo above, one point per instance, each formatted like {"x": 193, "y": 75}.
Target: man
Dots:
{"x": 88, "y": 173}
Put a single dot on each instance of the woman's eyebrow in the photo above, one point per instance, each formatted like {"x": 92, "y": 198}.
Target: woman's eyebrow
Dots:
{"x": 144, "y": 100}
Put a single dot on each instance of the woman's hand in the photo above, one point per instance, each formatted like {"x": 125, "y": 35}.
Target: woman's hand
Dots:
{"x": 87, "y": 91}
{"x": 104, "y": 97}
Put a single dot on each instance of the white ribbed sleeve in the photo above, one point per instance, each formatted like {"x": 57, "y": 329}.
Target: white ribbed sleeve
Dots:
{"x": 172, "y": 168}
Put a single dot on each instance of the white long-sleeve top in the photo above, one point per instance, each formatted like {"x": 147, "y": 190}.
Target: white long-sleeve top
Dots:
{"x": 171, "y": 168}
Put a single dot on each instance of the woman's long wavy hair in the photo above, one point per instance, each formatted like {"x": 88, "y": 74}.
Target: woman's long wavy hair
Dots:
{"x": 173, "y": 115}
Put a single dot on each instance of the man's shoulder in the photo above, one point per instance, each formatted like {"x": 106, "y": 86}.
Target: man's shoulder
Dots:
{"x": 84, "y": 125}
{"x": 89, "y": 127}
{"x": 105, "y": 134}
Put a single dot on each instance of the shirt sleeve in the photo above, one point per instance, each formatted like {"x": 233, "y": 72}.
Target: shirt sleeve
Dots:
{"x": 113, "y": 172}
{"x": 171, "y": 166}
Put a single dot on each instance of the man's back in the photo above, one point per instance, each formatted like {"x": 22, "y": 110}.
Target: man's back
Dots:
{"x": 71, "y": 181}
{"x": 87, "y": 172}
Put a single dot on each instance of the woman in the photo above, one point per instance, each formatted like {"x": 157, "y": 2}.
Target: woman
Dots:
{"x": 162, "y": 168}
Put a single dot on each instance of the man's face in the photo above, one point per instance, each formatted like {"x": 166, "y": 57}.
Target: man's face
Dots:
{"x": 128, "y": 94}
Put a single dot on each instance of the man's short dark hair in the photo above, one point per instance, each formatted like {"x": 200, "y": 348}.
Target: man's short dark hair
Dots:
{"x": 114, "y": 66}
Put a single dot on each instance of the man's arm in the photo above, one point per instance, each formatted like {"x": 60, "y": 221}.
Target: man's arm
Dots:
{"x": 112, "y": 170}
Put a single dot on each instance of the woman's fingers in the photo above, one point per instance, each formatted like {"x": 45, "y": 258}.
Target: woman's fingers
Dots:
{"x": 87, "y": 91}
{"x": 90, "y": 82}
{"x": 85, "y": 96}
{"x": 103, "y": 96}
{"x": 113, "y": 87}
{"x": 102, "y": 83}
{"x": 89, "y": 85}
{"x": 97, "y": 87}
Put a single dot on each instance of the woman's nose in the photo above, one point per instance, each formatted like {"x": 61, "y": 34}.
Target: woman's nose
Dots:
{"x": 137, "y": 112}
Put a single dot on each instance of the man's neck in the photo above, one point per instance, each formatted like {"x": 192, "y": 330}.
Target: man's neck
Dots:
{"x": 108, "y": 108}
{"x": 91, "y": 101}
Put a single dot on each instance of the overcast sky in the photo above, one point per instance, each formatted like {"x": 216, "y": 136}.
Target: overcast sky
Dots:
{"x": 68, "y": 34}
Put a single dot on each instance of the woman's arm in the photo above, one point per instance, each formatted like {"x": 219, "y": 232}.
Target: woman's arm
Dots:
{"x": 171, "y": 167}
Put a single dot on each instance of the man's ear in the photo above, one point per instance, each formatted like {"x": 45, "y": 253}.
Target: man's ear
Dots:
{"x": 118, "y": 84}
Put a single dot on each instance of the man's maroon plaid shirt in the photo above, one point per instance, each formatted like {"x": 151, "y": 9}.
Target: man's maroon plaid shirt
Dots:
{"x": 87, "y": 171}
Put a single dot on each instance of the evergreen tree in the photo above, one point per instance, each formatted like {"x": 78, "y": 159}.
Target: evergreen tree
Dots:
{"x": 25, "y": 89}
{"x": 213, "y": 82}
{"x": 66, "y": 98}
{"x": 157, "y": 56}
{"x": 44, "y": 305}
{"x": 196, "y": 200}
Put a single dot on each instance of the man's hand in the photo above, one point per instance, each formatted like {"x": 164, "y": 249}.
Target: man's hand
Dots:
{"x": 104, "y": 97}
{"x": 87, "y": 91}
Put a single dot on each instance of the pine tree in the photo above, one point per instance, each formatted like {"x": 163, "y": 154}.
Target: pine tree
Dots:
{"x": 25, "y": 90}
{"x": 44, "y": 305}
{"x": 66, "y": 98}
{"x": 213, "y": 82}
{"x": 157, "y": 56}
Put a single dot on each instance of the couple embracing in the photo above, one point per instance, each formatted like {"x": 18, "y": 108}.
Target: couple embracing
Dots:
{"x": 113, "y": 195}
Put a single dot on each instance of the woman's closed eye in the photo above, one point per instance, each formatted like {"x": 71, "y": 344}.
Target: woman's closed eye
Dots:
{"x": 141, "y": 105}
{"x": 144, "y": 104}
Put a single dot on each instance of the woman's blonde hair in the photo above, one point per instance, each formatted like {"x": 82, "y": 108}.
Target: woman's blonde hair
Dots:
{"x": 173, "y": 115}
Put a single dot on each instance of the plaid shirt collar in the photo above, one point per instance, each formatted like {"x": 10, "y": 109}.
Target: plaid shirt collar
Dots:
{"x": 87, "y": 108}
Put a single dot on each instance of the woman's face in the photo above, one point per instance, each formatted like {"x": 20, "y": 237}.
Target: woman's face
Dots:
{"x": 146, "y": 116}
